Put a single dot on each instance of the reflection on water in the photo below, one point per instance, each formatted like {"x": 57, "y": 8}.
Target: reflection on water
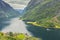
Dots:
{"x": 15, "y": 26}
{"x": 51, "y": 34}
{"x": 3, "y": 23}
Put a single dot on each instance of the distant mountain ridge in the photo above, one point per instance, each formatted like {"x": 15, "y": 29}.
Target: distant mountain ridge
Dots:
{"x": 19, "y": 10}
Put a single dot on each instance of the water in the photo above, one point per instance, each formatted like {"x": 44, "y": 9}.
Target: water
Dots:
{"x": 18, "y": 26}
{"x": 44, "y": 33}
{"x": 15, "y": 26}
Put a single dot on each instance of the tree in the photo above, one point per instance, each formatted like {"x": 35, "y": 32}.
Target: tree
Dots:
{"x": 10, "y": 34}
{"x": 51, "y": 25}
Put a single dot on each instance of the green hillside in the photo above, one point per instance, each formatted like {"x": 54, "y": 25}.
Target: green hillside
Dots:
{"x": 46, "y": 14}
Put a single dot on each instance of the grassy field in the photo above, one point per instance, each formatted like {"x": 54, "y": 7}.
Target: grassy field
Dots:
{"x": 36, "y": 24}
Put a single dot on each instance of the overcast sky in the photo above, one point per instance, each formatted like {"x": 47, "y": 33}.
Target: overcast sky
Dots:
{"x": 17, "y": 4}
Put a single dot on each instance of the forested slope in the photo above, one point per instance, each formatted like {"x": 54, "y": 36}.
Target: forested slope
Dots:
{"x": 45, "y": 13}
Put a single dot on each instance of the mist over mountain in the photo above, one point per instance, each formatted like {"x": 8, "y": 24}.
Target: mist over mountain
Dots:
{"x": 17, "y": 4}
{"x": 19, "y": 10}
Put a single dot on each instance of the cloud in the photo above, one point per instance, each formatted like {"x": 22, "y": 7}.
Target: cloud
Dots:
{"x": 17, "y": 4}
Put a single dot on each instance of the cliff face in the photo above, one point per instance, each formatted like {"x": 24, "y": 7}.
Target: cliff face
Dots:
{"x": 43, "y": 12}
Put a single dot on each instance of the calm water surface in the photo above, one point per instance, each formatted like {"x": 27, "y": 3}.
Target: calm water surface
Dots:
{"x": 16, "y": 26}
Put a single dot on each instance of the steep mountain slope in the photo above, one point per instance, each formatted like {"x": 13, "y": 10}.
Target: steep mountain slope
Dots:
{"x": 46, "y": 13}
{"x": 33, "y": 3}
{"x": 6, "y": 10}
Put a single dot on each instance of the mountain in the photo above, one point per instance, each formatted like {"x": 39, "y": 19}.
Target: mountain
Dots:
{"x": 20, "y": 11}
{"x": 33, "y": 3}
{"x": 44, "y": 12}
{"x": 6, "y": 10}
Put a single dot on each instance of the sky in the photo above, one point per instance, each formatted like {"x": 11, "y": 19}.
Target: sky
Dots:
{"x": 17, "y": 4}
